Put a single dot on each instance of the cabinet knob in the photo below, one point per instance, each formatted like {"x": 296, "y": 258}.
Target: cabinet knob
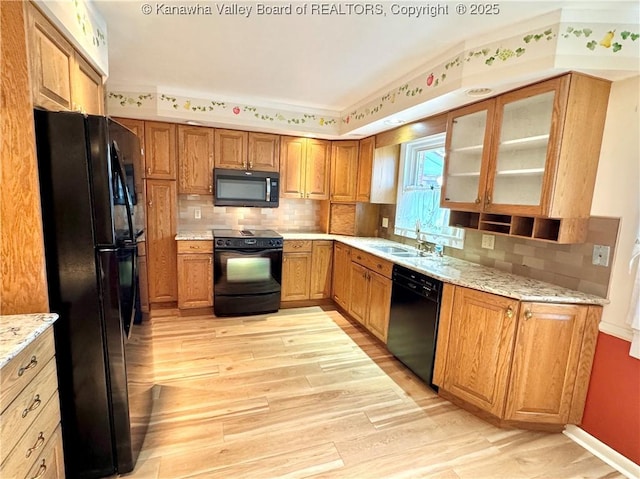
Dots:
{"x": 487, "y": 201}
{"x": 210, "y": 189}
{"x": 150, "y": 204}
{"x": 148, "y": 170}
{"x": 478, "y": 200}
{"x": 509, "y": 312}
{"x": 528, "y": 314}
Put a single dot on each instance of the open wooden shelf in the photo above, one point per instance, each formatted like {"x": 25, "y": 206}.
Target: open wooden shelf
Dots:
{"x": 564, "y": 231}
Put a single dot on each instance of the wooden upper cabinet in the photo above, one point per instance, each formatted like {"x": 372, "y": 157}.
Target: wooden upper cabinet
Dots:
{"x": 292, "y": 166}
{"x": 160, "y": 150}
{"x": 533, "y": 151}
{"x": 137, "y": 126}
{"x": 61, "y": 78}
{"x": 87, "y": 91}
{"x": 317, "y": 169}
{"x": 304, "y": 168}
{"x": 365, "y": 168}
{"x": 264, "y": 152}
{"x": 481, "y": 336}
{"x": 546, "y": 358}
{"x": 344, "y": 170}
{"x": 467, "y": 156}
{"x": 195, "y": 160}
{"x": 51, "y": 58}
{"x": 231, "y": 149}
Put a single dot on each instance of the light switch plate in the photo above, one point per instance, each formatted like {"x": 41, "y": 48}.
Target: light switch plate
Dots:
{"x": 385, "y": 222}
{"x": 601, "y": 255}
{"x": 197, "y": 213}
{"x": 488, "y": 241}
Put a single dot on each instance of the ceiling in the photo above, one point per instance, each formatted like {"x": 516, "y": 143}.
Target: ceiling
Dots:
{"x": 328, "y": 62}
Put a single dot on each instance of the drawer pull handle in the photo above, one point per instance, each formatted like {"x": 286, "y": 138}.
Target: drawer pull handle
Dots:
{"x": 32, "y": 364}
{"x": 41, "y": 470}
{"x": 35, "y": 404}
{"x": 37, "y": 445}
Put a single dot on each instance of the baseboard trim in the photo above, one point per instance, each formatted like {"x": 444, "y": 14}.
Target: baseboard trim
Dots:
{"x": 601, "y": 450}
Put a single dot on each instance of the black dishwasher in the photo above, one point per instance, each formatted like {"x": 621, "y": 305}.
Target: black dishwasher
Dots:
{"x": 413, "y": 322}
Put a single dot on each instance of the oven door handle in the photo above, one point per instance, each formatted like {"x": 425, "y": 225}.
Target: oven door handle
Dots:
{"x": 247, "y": 251}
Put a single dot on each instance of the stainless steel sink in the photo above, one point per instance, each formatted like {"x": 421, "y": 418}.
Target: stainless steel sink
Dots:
{"x": 396, "y": 251}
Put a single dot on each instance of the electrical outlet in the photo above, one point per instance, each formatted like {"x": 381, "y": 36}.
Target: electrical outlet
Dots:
{"x": 601, "y": 255}
{"x": 385, "y": 222}
{"x": 197, "y": 213}
{"x": 488, "y": 241}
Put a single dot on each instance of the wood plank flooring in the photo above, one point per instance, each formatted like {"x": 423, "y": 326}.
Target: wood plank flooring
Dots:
{"x": 306, "y": 394}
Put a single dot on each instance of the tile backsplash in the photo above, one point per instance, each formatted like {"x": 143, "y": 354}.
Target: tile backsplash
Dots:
{"x": 568, "y": 265}
{"x": 291, "y": 215}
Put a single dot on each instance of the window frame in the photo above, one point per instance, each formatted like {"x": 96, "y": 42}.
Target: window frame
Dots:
{"x": 409, "y": 151}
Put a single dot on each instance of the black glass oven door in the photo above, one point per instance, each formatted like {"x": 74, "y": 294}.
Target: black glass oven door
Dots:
{"x": 247, "y": 272}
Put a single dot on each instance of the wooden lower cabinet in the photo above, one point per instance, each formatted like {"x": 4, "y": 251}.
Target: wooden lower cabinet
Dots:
{"x": 546, "y": 358}
{"x": 321, "y": 269}
{"x": 306, "y": 270}
{"x": 370, "y": 292}
{"x": 160, "y": 240}
{"x": 30, "y": 413}
{"x": 341, "y": 282}
{"x": 523, "y": 363}
{"x": 296, "y": 276}
{"x": 195, "y": 278}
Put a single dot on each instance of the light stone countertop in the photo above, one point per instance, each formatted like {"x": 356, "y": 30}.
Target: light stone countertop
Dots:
{"x": 19, "y": 330}
{"x": 450, "y": 270}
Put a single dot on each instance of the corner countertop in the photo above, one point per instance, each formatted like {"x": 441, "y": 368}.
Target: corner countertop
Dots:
{"x": 450, "y": 270}
{"x": 19, "y": 330}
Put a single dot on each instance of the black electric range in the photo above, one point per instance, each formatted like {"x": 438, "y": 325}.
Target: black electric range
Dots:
{"x": 247, "y": 272}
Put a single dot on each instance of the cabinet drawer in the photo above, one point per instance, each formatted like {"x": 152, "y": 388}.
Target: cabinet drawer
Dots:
{"x": 195, "y": 246}
{"x": 372, "y": 262}
{"x": 18, "y": 372}
{"x": 23, "y": 457}
{"x": 50, "y": 463}
{"x": 24, "y": 410}
{"x": 297, "y": 246}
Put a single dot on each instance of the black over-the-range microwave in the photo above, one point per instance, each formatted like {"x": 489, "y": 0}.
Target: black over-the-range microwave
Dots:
{"x": 246, "y": 188}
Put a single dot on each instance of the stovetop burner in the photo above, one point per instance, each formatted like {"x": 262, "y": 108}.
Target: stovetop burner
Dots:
{"x": 269, "y": 234}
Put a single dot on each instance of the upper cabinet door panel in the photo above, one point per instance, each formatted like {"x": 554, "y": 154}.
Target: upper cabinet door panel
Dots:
{"x": 344, "y": 170}
{"x": 87, "y": 93}
{"x": 467, "y": 156}
{"x": 51, "y": 57}
{"x": 526, "y": 133}
{"x": 195, "y": 160}
{"x": 317, "y": 171}
{"x": 264, "y": 152}
{"x": 292, "y": 166}
{"x": 231, "y": 149}
{"x": 365, "y": 168}
{"x": 160, "y": 141}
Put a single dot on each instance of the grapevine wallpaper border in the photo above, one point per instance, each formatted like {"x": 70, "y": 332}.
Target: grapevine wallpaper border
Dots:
{"x": 561, "y": 40}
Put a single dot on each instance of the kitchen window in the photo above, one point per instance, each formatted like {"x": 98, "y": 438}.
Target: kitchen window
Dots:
{"x": 418, "y": 205}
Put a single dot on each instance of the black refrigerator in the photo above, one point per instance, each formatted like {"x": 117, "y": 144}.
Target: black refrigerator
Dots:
{"x": 92, "y": 221}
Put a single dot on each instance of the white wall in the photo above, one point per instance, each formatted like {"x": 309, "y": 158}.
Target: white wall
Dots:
{"x": 617, "y": 193}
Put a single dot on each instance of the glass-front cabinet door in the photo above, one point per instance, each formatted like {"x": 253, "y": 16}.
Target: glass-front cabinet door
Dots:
{"x": 467, "y": 155}
{"x": 521, "y": 170}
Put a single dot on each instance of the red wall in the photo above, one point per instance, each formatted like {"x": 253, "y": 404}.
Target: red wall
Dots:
{"x": 612, "y": 412}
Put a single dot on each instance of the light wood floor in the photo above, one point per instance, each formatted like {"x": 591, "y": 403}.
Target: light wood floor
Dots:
{"x": 305, "y": 393}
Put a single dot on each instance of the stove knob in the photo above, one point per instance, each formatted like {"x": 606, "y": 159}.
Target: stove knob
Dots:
{"x": 271, "y": 242}
{"x": 219, "y": 242}
{"x": 228, "y": 242}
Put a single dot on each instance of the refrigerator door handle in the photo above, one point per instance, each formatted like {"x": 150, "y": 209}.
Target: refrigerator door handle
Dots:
{"x": 119, "y": 170}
